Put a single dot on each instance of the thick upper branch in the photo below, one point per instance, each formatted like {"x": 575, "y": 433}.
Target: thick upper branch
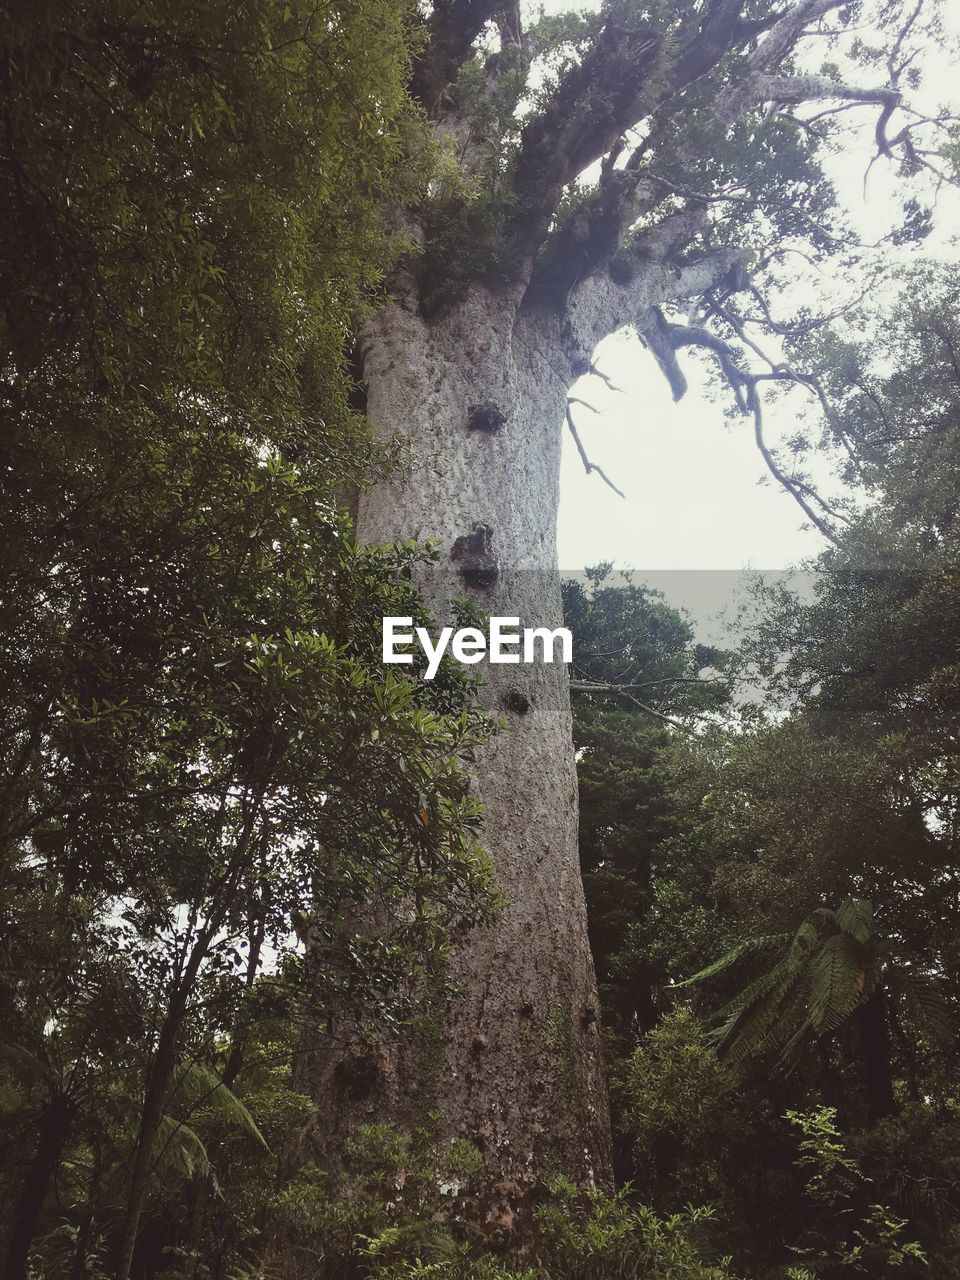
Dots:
{"x": 587, "y": 241}
{"x": 453, "y": 26}
{"x": 583, "y": 124}
{"x": 654, "y": 272}
{"x": 627, "y": 74}
{"x": 794, "y": 90}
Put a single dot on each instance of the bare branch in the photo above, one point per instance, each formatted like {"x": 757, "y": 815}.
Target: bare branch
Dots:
{"x": 588, "y": 466}
{"x": 649, "y": 684}
{"x": 586, "y": 404}
{"x": 646, "y": 276}
{"x": 591, "y": 686}
{"x": 782, "y": 478}
{"x": 594, "y": 372}
{"x": 580, "y": 126}
{"x": 795, "y": 90}
{"x": 665, "y": 339}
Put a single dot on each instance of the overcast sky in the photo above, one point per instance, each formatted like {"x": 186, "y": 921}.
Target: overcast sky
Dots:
{"x": 695, "y": 499}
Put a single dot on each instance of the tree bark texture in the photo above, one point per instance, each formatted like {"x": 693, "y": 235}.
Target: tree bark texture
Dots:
{"x": 513, "y": 1062}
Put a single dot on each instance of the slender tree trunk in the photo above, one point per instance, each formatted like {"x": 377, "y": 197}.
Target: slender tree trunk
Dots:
{"x": 514, "y": 1065}
{"x": 164, "y": 1065}
{"x": 81, "y": 1250}
{"x": 197, "y": 1222}
{"x": 875, "y": 1057}
{"x": 238, "y": 1042}
{"x": 158, "y": 1084}
{"x": 55, "y": 1126}
{"x": 159, "y": 1080}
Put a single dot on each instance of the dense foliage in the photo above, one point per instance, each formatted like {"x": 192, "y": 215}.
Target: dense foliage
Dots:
{"x": 789, "y": 913}
{"x": 202, "y": 760}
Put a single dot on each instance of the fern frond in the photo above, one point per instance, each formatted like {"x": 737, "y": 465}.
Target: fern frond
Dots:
{"x": 201, "y": 1086}
{"x": 179, "y": 1148}
{"x": 746, "y": 947}
{"x": 827, "y": 967}
{"x": 927, "y": 1008}
{"x": 836, "y": 982}
{"x": 754, "y": 991}
{"x": 746, "y": 1033}
{"x": 855, "y": 917}
{"x": 802, "y": 945}
{"x": 26, "y": 1064}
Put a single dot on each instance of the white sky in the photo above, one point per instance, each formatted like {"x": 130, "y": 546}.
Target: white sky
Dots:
{"x": 693, "y": 479}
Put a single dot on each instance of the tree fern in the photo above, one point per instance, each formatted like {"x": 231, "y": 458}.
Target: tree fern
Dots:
{"x": 741, "y": 949}
{"x": 855, "y": 917}
{"x": 181, "y": 1150}
{"x": 199, "y": 1086}
{"x": 837, "y": 979}
{"x": 827, "y": 968}
{"x": 925, "y": 1007}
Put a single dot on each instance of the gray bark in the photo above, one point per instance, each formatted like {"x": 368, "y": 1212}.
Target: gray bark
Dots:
{"x": 518, "y": 1068}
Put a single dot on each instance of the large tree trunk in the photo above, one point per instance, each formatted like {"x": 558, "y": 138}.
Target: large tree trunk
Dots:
{"x": 514, "y": 1065}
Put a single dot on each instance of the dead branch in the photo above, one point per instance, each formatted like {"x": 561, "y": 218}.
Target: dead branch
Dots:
{"x": 590, "y": 686}
{"x": 666, "y": 339}
{"x": 588, "y": 466}
{"x": 782, "y": 478}
{"x": 593, "y": 371}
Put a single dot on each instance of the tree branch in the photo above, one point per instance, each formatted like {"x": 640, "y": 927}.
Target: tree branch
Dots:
{"x": 665, "y": 340}
{"x": 588, "y": 466}
{"x": 591, "y": 236}
{"x": 650, "y": 272}
{"x": 782, "y": 478}
{"x": 794, "y": 90}
{"x": 786, "y": 31}
{"x": 639, "y": 75}
{"x": 638, "y": 72}
{"x": 592, "y": 686}
{"x": 452, "y": 27}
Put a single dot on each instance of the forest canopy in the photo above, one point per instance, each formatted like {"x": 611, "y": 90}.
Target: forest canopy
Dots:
{"x": 310, "y": 966}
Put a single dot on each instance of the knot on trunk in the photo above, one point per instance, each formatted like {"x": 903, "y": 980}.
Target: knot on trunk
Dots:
{"x": 356, "y": 1077}
{"x": 478, "y": 565}
{"x": 517, "y": 702}
{"x": 486, "y": 417}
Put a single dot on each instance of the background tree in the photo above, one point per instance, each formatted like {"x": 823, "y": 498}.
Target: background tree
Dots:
{"x": 840, "y": 785}
{"x": 637, "y": 672}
